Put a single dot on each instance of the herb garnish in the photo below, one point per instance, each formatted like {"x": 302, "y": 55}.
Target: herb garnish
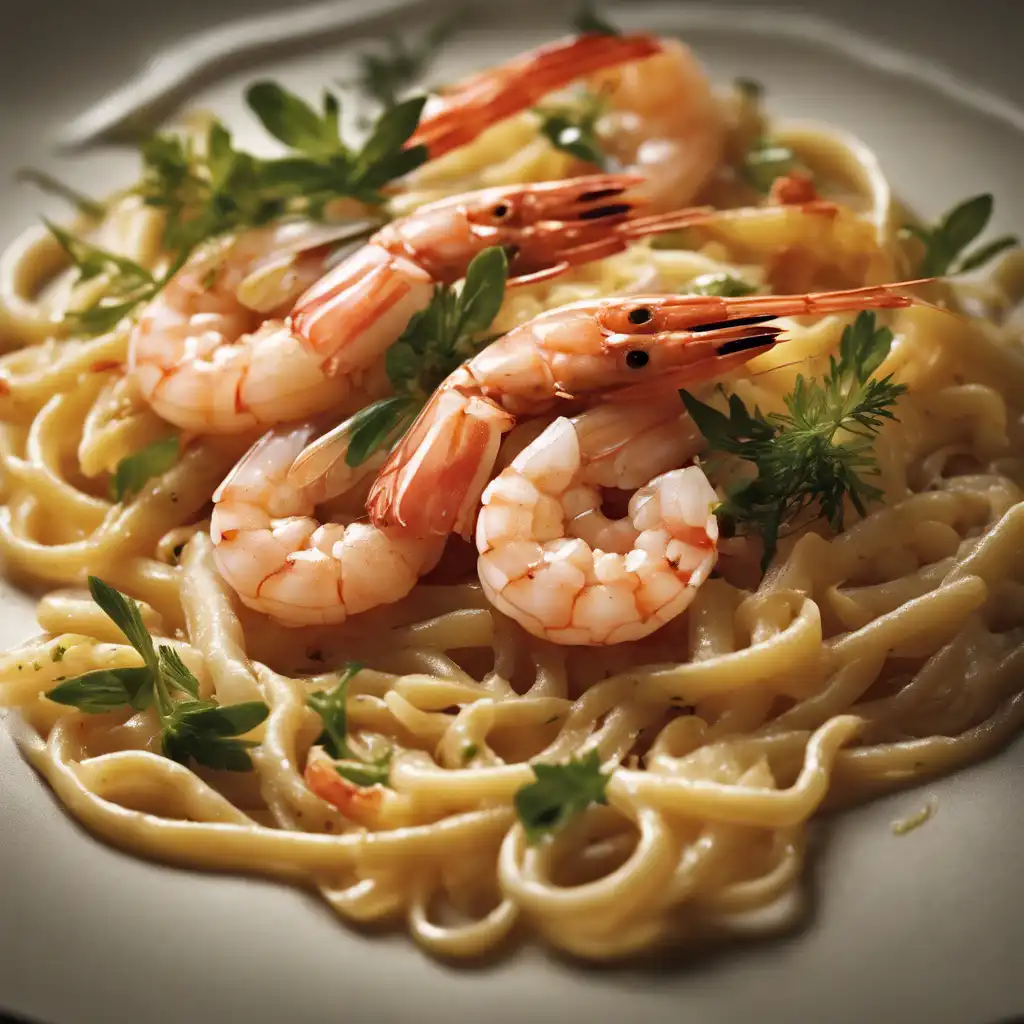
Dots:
{"x": 946, "y": 241}
{"x": 127, "y": 283}
{"x": 765, "y": 161}
{"x": 800, "y": 464}
{"x": 383, "y": 76}
{"x": 587, "y": 20}
{"x": 560, "y": 792}
{"x": 198, "y": 729}
{"x": 331, "y": 707}
{"x": 214, "y": 188}
{"x": 573, "y": 129}
{"x": 720, "y": 284}
{"x": 84, "y": 204}
{"x": 435, "y": 342}
{"x": 134, "y": 470}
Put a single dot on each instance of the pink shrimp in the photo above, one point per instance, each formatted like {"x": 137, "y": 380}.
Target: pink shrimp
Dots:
{"x": 207, "y": 358}
{"x": 615, "y": 349}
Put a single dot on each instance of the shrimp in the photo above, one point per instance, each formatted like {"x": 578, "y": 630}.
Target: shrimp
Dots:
{"x": 207, "y": 359}
{"x": 282, "y": 561}
{"x": 463, "y": 110}
{"x": 550, "y": 559}
{"x": 621, "y": 349}
{"x": 663, "y": 121}
{"x": 204, "y": 353}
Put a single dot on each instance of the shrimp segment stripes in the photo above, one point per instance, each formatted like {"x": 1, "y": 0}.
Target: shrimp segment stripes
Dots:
{"x": 564, "y": 589}
{"x": 282, "y": 561}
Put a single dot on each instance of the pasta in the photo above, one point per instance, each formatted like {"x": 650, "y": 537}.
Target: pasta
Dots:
{"x": 864, "y": 660}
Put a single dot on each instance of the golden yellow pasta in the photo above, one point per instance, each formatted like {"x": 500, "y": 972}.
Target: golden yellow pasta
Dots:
{"x": 865, "y": 659}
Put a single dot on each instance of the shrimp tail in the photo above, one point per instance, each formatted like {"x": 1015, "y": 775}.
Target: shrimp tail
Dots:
{"x": 471, "y": 106}
{"x": 432, "y": 481}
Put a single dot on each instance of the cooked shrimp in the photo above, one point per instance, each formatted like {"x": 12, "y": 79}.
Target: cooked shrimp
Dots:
{"x": 551, "y": 560}
{"x": 207, "y": 358}
{"x": 621, "y": 349}
{"x": 662, "y": 118}
{"x": 663, "y": 122}
{"x": 282, "y": 561}
{"x": 463, "y": 110}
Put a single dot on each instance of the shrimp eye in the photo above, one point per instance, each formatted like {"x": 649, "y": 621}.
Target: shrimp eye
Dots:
{"x": 501, "y": 210}
{"x": 640, "y": 315}
{"x": 636, "y": 358}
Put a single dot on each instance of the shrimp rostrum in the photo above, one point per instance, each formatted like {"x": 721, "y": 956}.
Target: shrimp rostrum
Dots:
{"x": 620, "y": 349}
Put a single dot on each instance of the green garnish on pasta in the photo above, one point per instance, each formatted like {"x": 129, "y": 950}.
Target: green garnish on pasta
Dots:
{"x": 560, "y": 792}
{"x": 191, "y": 729}
{"x": 816, "y": 454}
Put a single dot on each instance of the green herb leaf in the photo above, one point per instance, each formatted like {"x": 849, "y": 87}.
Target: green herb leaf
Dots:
{"x": 799, "y": 460}
{"x": 57, "y": 654}
{"x": 105, "y": 690}
{"x": 981, "y": 256}
{"x": 85, "y": 205}
{"x": 361, "y": 774}
{"x": 382, "y": 76}
{"x": 371, "y": 427}
{"x": 766, "y": 161}
{"x": 962, "y": 225}
{"x": 469, "y": 751}
{"x": 196, "y": 729}
{"x": 134, "y": 470}
{"x": 204, "y": 732}
{"x": 176, "y": 672}
{"x": 221, "y": 720}
{"x": 483, "y": 292}
{"x": 330, "y": 706}
{"x": 945, "y": 242}
{"x": 560, "y": 792}
{"x": 382, "y": 157}
{"x": 587, "y": 20}
{"x": 435, "y": 341}
{"x": 751, "y": 88}
{"x": 125, "y": 613}
{"x": 572, "y": 128}
{"x": 572, "y": 136}
{"x": 293, "y": 121}
{"x": 720, "y": 284}
{"x": 128, "y": 284}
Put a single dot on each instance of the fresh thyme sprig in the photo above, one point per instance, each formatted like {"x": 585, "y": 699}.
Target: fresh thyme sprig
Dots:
{"x": 195, "y": 729}
{"x": 818, "y": 452}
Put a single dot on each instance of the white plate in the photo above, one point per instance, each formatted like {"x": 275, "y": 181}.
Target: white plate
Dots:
{"x": 929, "y": 926}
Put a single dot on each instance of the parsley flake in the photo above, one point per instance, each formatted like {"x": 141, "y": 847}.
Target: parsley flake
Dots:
{"x": 134, "y": 470}
{"x": 560, "y": 792}
{"x": 331, "y": 707}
